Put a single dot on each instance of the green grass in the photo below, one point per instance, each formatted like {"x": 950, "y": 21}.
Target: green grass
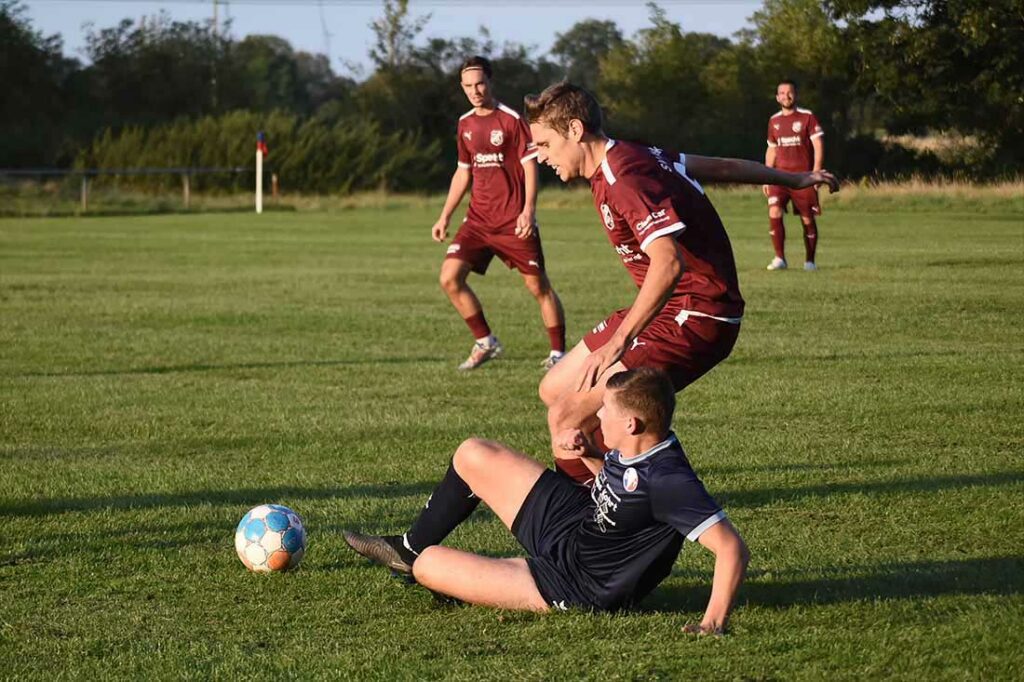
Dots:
{"x": 160, "y": 375}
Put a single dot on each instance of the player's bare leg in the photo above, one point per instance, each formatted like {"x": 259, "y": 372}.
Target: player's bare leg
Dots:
{"x": 501, "y": 583}
{"x": 778, "y": 233}
{"x": 454, "y": 273}
{"x": 551, "y": 314}
{"x": 497, "y": 474}
{"x": 572, "y": 409}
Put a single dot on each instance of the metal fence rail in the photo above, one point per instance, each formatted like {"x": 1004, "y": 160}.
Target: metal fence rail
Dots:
{"x": 87, "y": 173}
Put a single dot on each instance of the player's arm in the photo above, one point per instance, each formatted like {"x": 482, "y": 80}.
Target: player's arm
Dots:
{"x": 818, "y": 144}
{"x": 715, "y": 169}
{"x": 457, "y": 190}
{"x": 731, "y": 559}
{"x": 527, "y": 219}
{"x": 662, "y": 276}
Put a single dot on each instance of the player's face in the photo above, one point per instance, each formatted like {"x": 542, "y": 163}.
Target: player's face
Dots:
{"x": 785, "y": 95}
{"x": 476, "y": 87}
{"x": 563, "y": 154}
{"x": 615, "y": 424}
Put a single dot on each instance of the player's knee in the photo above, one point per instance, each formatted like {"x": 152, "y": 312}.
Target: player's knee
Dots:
{"x": 450, "y": 282}
{"x": 425, "y": 568}
{"x": 538, "y": 286}
{"x": 774, "y": 212}
{"x": 549, "y": 389}
{"x": 470, "y": 456}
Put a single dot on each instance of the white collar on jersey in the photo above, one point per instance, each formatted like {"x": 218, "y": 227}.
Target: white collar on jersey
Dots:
{"x": 668, "y": 442}
{"x": 605, "y": 168}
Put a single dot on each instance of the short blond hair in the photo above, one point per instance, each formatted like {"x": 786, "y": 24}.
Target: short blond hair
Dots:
{"x": 561, "y": 103}
{"x": 647, "y": 393}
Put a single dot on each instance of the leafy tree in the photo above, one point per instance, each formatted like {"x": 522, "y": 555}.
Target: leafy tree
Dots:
{"x": 35, "y": 106}
{"x": 579, "y": 50}
{"x": 941, "y": 64}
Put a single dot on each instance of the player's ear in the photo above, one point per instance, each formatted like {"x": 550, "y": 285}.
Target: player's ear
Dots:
{"x": 634, "y": 425}
{"x": 576, "y": 130}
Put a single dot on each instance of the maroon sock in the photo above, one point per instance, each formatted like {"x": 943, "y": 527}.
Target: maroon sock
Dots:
{"x": 810, "y": 239}
{"x": 557, "y": 337}
{"x": 778, "y": 233}
{"x": 478, "y": 325}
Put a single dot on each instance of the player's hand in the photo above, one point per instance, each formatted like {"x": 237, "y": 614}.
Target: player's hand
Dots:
{"x": 764, "y": 189}
{"x": 570, "y": 444}
{"x": 598, "y": 362}
{"x": 440, "y": 230}
{"x": 525, "y": 224}
{"x": 701, "y": 629}
{"x": 821, "y": 177}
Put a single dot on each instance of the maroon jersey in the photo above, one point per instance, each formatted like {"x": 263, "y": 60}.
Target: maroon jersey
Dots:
{"x": 644, "y": 193}
{"x": 791, "y": 136}
{"x": 495, "y": 147}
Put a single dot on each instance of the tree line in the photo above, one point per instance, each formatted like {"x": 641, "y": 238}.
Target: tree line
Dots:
{"x": 901, "y": 86}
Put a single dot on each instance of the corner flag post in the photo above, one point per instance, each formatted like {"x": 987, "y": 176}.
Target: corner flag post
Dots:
{"x": 261, "y": 153}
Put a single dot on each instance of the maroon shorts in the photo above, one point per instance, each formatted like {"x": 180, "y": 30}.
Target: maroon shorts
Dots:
{"x": 805, "y": 201}
{"x": 685, "y": 351}
{"x": 478, "y": 245}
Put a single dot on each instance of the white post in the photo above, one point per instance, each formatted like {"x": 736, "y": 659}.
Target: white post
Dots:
{"x": 259, "y": 181}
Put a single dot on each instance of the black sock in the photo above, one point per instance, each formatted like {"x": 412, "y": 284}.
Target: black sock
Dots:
{"x": 450, "y": 504}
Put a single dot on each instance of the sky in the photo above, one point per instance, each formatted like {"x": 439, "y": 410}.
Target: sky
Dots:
{"x": 346, "y": 22}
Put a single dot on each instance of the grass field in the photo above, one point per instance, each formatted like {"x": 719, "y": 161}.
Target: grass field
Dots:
{"x": 160, "y": 375}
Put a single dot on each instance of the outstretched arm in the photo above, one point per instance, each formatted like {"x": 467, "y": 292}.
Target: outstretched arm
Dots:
{"x": 731, "y": 558}
{"x": 714, "y": 169}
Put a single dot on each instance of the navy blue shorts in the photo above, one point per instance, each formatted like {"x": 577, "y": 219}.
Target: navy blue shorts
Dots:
{"x": 545, "y": 526}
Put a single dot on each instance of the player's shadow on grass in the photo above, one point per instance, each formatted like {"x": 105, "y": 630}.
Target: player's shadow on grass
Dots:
{"x": 240, "y": 497}
{"x": 910, "y": 580}
{"x": 229, "y": 366}
{"x": 764, "y": 496}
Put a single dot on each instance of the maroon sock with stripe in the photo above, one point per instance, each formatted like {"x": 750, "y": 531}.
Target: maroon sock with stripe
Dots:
{"x": 810, "y": 239}
{"x": 778, "y": 233}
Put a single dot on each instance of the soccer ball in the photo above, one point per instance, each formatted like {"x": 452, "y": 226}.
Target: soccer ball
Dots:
{"x": 270, "y": 538}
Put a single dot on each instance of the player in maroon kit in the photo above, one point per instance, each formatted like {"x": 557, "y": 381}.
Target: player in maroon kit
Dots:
{"x": 497, "y": 154}
{"x": 795, "y": 143}
{"x": 686, "y": 316}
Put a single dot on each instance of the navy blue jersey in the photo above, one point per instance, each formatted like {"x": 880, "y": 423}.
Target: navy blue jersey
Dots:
{"x": 643, "y": 508}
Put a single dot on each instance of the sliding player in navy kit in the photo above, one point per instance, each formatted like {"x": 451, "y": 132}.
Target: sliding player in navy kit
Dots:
{"x": 602, "y": 548}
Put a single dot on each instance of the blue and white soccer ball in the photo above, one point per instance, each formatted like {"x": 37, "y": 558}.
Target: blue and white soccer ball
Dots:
{"x": 270, "y": 538}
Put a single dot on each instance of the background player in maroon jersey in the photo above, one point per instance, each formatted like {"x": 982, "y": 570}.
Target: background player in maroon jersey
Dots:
{"x": 497, "y": 154}
{"x": 795, "y": 143}
{"x": 685, "y": 318}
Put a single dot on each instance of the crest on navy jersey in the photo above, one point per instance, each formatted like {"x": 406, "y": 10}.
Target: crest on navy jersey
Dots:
{"x": 606, "y": 215}
{"x": 630, "y": 480}
{"x": 797, "y": 125}
{"x": 497, "y": 137}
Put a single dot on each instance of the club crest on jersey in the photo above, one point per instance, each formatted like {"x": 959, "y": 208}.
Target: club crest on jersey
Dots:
{"x": 797, "y": 126}
{"x": 497, "y": 137}
{"x": 630, "y": 480}
{"x": 606, "y": 215}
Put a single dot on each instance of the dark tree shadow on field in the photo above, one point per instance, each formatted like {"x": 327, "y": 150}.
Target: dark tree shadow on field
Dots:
{"x": 242, "y": 496}
{"x": 202, "y": 367}
{"x": 993, "y": 575}
{"x": 761, "y": 497}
